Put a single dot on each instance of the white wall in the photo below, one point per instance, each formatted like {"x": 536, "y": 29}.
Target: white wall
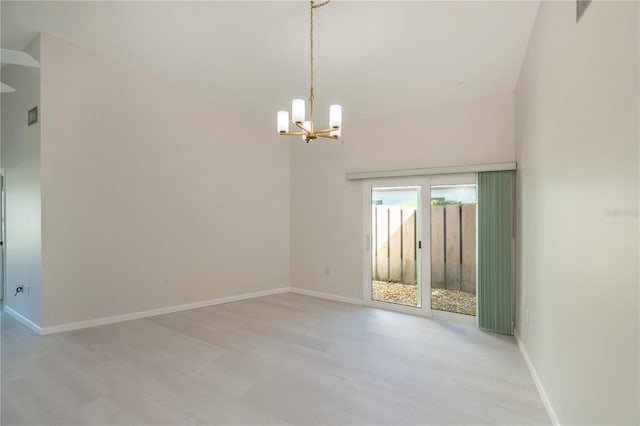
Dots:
{"x": 21, "y": 163}
{"x": 326, "y": 209}
{"x": 577, "y": 211}
{"x": 144, "y": 183}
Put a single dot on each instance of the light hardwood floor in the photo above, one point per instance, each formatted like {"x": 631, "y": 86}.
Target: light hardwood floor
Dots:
{"x": 284, "y": 359}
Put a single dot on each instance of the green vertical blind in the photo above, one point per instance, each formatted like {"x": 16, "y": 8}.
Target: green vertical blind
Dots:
{"x": 495, "y": 224}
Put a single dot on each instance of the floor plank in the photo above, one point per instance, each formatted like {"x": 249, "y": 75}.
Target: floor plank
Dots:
{"x": 283, "y": 359}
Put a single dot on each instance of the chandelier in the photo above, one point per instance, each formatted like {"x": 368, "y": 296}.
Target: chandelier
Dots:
{"x": 307, "y": 128}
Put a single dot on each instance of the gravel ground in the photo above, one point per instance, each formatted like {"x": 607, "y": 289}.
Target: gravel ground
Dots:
{"x": 453, "y": 301}
{"x": 441, "y": 299}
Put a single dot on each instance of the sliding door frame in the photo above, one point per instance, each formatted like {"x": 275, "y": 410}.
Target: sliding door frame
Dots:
{"x": 423, "y": 232}
{"x": 425, "y": 300}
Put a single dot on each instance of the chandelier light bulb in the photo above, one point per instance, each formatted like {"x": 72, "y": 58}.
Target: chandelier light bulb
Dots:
{"x": 335, "y": 119}
{"x": 297, "y": 110}
{"x": 307, "y": 126}
{"x": 283, "y": 121}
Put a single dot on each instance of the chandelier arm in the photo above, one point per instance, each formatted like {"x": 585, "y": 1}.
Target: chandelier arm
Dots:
{"x": 299, "y": 125}
{"x": 324, "y": 3}
{"x": 330, "y": 129}
{"x": 294, "y": 133}
{"x": 324, "y": 135}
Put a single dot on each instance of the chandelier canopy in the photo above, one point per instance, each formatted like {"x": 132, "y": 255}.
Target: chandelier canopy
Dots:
{"x": 307, "y": 128}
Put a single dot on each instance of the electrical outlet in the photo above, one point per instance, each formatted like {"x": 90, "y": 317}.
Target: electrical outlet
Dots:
{"x": 327, "y": 272}
{"x": 166, "y": 283}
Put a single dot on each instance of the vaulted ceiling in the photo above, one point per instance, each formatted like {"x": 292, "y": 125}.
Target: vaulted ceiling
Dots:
{"x": 373, "y": 57}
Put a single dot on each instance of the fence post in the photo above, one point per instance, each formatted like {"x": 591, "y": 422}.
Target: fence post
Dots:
{"x": 408, "y": 245}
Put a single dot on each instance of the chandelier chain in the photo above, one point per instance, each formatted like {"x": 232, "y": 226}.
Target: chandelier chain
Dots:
{"x": 311, "y": 94}
{"x": 311, "y": 51}
{"x": 313, "y": 6}
{"x": 311, "y": 91}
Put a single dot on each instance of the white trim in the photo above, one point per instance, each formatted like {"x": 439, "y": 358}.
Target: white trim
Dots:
{"x": 160, "y": 311}
{"x": 455, "y": 317}
{"x": 432, "y": 171}
{"x": 536, "y": 380}
{"x": 397, "y": 307}
{"x": 368, "y": 242}
{"x": 327, "y": 296}
{"x": 24, "y": 320}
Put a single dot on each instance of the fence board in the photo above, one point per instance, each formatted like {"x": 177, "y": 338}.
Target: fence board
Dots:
{"x": 409, "y": 245}
{"x": 469, "y": 248}
{"x": 437, "y": 246}
{"x": 382, "y": 247}
{"x": 395, "y": 244}
{"x": 452, "y": 248}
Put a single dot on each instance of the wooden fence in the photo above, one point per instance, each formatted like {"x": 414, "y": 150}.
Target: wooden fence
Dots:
{"x": 453, "y": 245}
{"x": 394, "y": 243}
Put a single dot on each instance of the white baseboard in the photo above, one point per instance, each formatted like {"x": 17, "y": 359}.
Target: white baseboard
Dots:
{"x": 536, "y": 380}
{"x": 24, "y": 320}
{"x": 327, "y": 296}
{"x": 153, "y": 312}
{"x": 171, "y": 309}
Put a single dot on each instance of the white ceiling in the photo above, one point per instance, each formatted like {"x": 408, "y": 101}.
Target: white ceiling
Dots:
{"x": 373, "y": 57}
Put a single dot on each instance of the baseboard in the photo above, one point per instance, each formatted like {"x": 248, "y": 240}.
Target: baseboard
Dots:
{"x": 153, "y": 312}
{"x": 171, "y": 309}
{"x": 536, "y": 380}
{"x": 327, "y": 296}
{"x": 24, "y": 320}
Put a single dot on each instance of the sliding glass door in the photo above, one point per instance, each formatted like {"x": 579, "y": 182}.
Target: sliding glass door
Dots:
{"x": 420, "y": 250}
{"x": 453, "y": 219}
{"x": 394, "y": 253}
{"x": 394, "y": 245}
